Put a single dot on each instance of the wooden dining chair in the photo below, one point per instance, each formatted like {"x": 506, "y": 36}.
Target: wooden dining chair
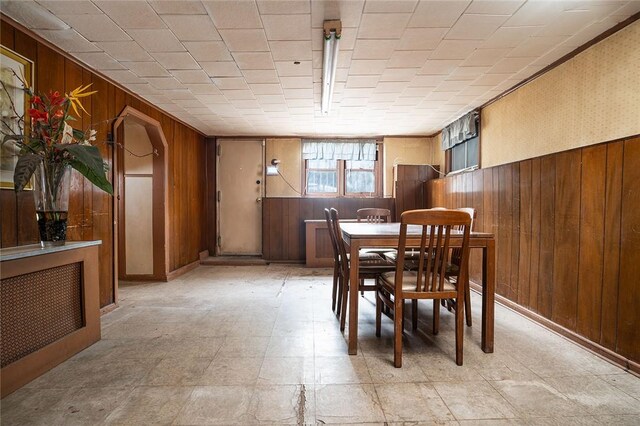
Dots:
{"x": 370, "y": 266}
{"x": 430, "y": 280}
{"x": 336, "y": 259}
{"x": 373, "y": 215}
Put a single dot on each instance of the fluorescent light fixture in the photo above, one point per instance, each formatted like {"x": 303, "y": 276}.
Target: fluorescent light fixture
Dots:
{"x": 332, "y": 33}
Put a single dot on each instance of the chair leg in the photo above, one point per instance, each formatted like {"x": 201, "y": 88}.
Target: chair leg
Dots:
{"x": 397, "y": 331}
{"x": 414, "y": 314}
{"x": 339, "y": 295}
{"x": 378, "y": 313}
{"x": 362, "y": 284}
{"x": 436, "y": 316}
{"x": 335, "y": 286}
{"x": 345, "y": 292}
{"x": 467, "y": 302}
{"x": 459, "y": 331}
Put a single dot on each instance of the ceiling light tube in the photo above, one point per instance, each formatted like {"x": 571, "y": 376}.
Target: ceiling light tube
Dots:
{"x": 332, "y": 33}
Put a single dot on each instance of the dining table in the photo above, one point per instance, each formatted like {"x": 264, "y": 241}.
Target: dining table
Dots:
{"x": 371, "y": 235}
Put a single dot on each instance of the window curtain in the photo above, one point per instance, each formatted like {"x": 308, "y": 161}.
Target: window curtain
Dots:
{"x": 362, "y": 149}
{"x": 464, "y": 128}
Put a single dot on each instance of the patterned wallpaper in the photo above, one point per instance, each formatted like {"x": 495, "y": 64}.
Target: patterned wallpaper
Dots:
{"x": 592, "y": 98}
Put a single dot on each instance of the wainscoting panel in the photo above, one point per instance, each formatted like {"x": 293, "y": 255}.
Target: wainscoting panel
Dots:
{"x": 568, "y": 245}
{"x": 283, "y": 232}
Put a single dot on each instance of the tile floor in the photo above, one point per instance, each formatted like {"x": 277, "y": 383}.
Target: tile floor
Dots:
{"x": 259, "y": 344}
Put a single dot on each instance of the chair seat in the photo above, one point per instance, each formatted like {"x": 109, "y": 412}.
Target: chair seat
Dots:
{"x": 408, "y": 255}
{"x": 409, "y": 279}
{"x": 373, "y": 261}
{"x": 379, "y": 250}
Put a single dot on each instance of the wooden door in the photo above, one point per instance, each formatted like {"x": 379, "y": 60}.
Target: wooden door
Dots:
{"x": 240, "y": 189}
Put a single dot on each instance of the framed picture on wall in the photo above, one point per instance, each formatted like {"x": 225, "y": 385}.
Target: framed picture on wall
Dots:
{"x": 14, "y": 104}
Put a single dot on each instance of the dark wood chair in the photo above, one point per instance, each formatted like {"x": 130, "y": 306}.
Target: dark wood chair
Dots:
{"x": 373, "y": 215}
{"x": 370, "y": 266}
{"x": 430, "y": 280}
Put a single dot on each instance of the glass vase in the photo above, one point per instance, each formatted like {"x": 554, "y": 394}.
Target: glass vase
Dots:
{"x": 51, "y": 193}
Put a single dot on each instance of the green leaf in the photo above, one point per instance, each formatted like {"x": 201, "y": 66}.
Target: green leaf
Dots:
{"x": 87, "y": 160}
{"x": 25, "y": 167}
{"x": 78, "y": 134}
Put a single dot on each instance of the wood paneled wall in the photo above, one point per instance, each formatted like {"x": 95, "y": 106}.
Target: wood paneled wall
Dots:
{"x": 409, "y": 184}
{"x": 90, "y": 210}
{"x": 283, "y": 232}
{"x": 567, "y": 228}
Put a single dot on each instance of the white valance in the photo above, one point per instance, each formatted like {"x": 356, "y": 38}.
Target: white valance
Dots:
{"x": 361, "y": 149}
{"x": 464, "y": 128}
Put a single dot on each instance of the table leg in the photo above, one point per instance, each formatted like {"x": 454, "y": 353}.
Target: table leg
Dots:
{"x": 488, "y": 294}
{"x": 353, "y": 298}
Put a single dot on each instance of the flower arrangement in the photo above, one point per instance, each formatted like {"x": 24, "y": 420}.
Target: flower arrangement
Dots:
{"x": 48, "y": 148}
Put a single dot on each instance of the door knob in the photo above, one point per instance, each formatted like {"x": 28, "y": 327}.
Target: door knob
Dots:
{"x": 258, "y": 200}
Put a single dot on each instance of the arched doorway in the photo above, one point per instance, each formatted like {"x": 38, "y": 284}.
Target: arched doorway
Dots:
{"x": 141, "y": 198}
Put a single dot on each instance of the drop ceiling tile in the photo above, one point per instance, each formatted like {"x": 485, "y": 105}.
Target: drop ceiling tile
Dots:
{"x": 421, "y": 38}
{"x": 230, "y": 83}
{"x": 434, "y": 14}
{"x": 452, "y": 86}
{"x": 296, "y": 82}
{"x": 287, "y": 27}
{"x": 398, "y": 74}
{"x": 382, "y": 26}
{"x": 535, "y": 13}
{"x": 146, "y": 69}
{"x": 179, "y": 94}
{"x": 245, "y": 40}
{"x": 476, "y": 90}
{"x": 416, "y": 91}
{"x": 189, "y": 103}
{"x": 208, "y": 51}
{"x": 238, "y": 94}
{"x": 266, "y": 89}
{"x": 490, "y": 79}
{"x": 509, "y": 37}
{"x": 203, "y": 89}
{"x": 234, "y": 14}
{"x": 178, "y": 7}
{"x": 358, "y": 81}
{"x": 79, "y": 7}
{"x": 408, "y": 59}
{"x": 440, "y": 66}
{"x": 385, "y": 6}
{"x": 212, "y": 99}
{"x": 270, "y": 99}
{"x": 497, "y": 7}
{"x": 299, "y": 103}
{"x": 464, "y": 73}
{"x": 260, "y": 76}
{"x": 510, "y": 65}
{"x": 289, "y": 69}
{"x": 354, "y": 102}
{"x": 367, "y": 67}
{"x": 475, "y": 27}
{"x": 32, "y": 15}
{"x": 96, "y": 27}
{"x": 298, "y": 93}
{"x": 485, "y": 57}
{"x": 275, "y": 7}
{"x": 69, "y": 40}
{"x": 427, "y": 80}
{"x": 412, "y": 101}
{"x": 191, "y": 76}
{"x": 535, "y": 46}
{"x": 454, "y": 49}
{"x": 131, "y": 14}
{"x": 142, "y": 88}
{"x": 192, "y": 27}
{"x": 128, "y": 51}
{"x": 291, "y": 50}
{"x": 440, "y": 96}
{"x": 157, "y": 99}
{"x": 123, "y": 76}
{"x": 164, "y": 83}
{"x": 157, "y": 40}
{"x": 349, "y": 12}
{"x": 374, "y": 49}
{"x": 391, "y": 87}
{"x": 99, "y": 60}
{"x": 221, "y": 69}
{"x": 245, "y": 104}
{"x": 176, "y": 61}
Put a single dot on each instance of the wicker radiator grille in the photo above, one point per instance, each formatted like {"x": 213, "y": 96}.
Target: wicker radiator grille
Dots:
{"x": 39, "y": 308}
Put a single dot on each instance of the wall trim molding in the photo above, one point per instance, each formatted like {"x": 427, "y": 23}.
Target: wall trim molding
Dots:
{"x": 182, "y": 270}
{"x": 595, "y": 348}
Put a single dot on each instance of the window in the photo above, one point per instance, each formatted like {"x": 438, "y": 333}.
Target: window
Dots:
{"x": 337, "y": 178}
{"x": 464, "y": 155}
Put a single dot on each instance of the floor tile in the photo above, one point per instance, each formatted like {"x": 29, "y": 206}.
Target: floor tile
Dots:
{"x": 177, "y": 372}
{"x": 218, "y": 405}
{"x": 232, "y": 371}
{"x": 404, "y": 402}
{"x": 341, "y": 370}
{"x": 474, "y": 400}
{"x": 348, "y": 404}
{"x": 151, "y": 405}
{"x": 287, "y": 371}
{"x": 533, "y": 398}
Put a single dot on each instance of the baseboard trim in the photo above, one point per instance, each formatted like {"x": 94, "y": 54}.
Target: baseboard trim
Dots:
{"x": 183, "y": 270}
{"x": 203, "y": 254}
{"x": 109, "y": 308}
{"x": 601, "y": 351}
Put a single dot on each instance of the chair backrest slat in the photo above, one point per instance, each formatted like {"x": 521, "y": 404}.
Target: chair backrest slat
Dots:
{"x": 342, "y": 250}
{"x": 332, "y": 235}
{"x": 373, "y": 215}
{"x": 435, "y": 246}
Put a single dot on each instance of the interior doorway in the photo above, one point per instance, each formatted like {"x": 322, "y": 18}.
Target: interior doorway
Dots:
{"x": 240, "y": 180}
{"x": 141, "y": 194}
